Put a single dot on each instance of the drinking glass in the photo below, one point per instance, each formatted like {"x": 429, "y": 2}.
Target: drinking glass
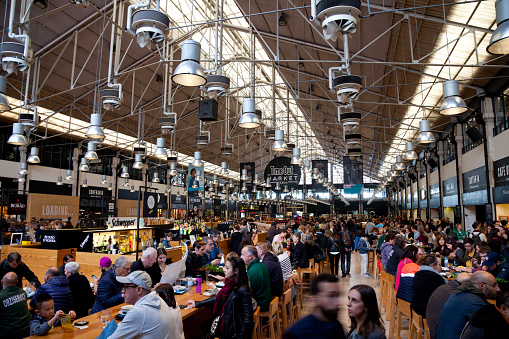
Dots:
{"x": 66, "y": 323}
{"x": 105, "y": 317}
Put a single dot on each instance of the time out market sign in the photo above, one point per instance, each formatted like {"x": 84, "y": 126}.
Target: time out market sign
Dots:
{"x": 280, "y": 170}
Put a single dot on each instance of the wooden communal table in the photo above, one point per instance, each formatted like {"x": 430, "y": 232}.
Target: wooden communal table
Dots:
{"x": 191, "y": 319}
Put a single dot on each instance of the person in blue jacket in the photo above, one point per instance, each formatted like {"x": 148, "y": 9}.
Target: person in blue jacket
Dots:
{"x": 58, "y": 288}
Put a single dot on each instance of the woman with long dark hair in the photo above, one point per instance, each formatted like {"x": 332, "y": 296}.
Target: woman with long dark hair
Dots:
{"x": 365, "y": 320}
{"x": 247, "y": 239}
{"x": 409, "y": 256}
{"x": 440, "y": 246}
{"x": 233, "y": 308}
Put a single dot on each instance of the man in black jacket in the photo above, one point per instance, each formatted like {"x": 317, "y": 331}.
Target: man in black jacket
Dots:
{"x": 273, "y": 266}
{"x": 82, "y": 296}
{"x": 271, "y": 233}
{"x": 14, "y": 264}
{"x": 193, "y": 261}
{"x": 298, "y": 252}
{"x": 397, "y": 251}
{"x": 108, "y": 288}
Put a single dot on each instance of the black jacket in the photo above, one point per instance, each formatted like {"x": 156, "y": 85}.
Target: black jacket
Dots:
{"x": 424, "y": 284}
{"x": 393, "y": 261}
{"x": 487, "y": 322}
{"x": 299, "y": 255}
{"x": 58, "y": 288}
{"x": 276, "y": 274}
{"x": 238, "y": 314}
{"x": 108, "y": 292}
{"x": 334, "y": 245}
{"x": 82, "y": 296}
{"x": 193, "y": 263}
{"x": 22, "y": 271}
{"x": 271, "y": 233}
{"x": 235, "y": 240}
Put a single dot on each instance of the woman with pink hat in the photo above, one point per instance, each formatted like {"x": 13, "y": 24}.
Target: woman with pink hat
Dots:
{"x": 105, "y": 265}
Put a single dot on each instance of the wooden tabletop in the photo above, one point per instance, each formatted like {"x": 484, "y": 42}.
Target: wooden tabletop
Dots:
{"x": 95, "y": 327}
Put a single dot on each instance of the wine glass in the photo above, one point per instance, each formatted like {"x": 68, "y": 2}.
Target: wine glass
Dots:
{"x": 105, "y": 317}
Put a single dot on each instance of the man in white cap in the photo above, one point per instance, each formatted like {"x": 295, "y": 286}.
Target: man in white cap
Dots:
{"x": 150, "y": 316}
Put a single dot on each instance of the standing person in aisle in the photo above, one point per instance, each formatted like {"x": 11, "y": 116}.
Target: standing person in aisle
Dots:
{"x": 364, "y": 248}
{"x": 346, "y": 237}
{"x": 323, "y": 321}
{"x": 333, "y": 252}
{"x": 366, "y": 322}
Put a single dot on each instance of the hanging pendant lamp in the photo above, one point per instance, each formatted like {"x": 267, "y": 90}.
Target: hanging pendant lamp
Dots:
{"x": 95, "y": 131}
{"x": 125, "y": 172}
{"x": 425, "y": 136}
{"x": 224, "y": 168}
{"x": 279, "y": 144}
{"x": 34, "y": 156}
{"x": 296, "y": 156}
{"x": 23, "y": 169}
{"x": 197, "y": 162}
{"x": 17, "y": 138}
{"x": 160, "y": 151}
{"x": 400, "y": 166}
{"x": 156, "y": 177}
{"x": 84, "y": 165}
{"x": 103, "y": 180}
{"x": 59, "y": 181}
{"x": 173, "y": 169}
{"x": 410, "y": 154}
{"x": 189, "y": 72}
{"x": 244, "y": 175}
{"x": 138, "y": 161}
{"x": 249, "y": 119}
{"x": 91, "y": 154}
{"x": 68, "y": 175}
{"x": 453, "y": 104}
{"x": 499, "y": 42}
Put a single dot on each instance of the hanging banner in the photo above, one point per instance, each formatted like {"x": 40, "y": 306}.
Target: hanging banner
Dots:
{"x": 250, "y": 168}
{"x": 17, "y": 204}
{"x": 353, "y": 189}
{"x": 323, "y": 167}
{"x": 191, "y": 175}
{"x": 149, "y": 205}
{"x": 353, "y": 171}
{"x": 474, "y": 180}
{"x": 280, "y": 170}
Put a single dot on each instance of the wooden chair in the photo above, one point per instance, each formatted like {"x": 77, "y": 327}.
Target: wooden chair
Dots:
{"x": 403, "y": 309}
{"x": 383, "y": 295}
{"x": 377, "y": 271}
{"x": 295, "y": 307}
{"x": 256, "y": 327}
{"x": 416, "y": 326}
{"x": 427, "y": 333}
{"x": 371, "y": 260}
{"x": 274, "y": 330}
{"x": 284, "y": 315}
{"x": 390, "y": 309}
{"x": 306, "y": 274}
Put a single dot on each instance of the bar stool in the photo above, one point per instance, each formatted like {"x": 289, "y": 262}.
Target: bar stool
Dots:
{"x": 284, "y": 315}
{"x": 383, "y": 295}
{"x": 306, "y": 274}
{"x": 427, "y": 333}
{"x": 273, "y": 328}
{"x": 377, "y": 270}
{"x": 371, "y": 260}
{"x": 390, "y": 310}
{"x": 256, "y": 327}
{"x": 416, "y": 326}
{"x": 403, "y": 309}
{"x": 295, "y": 309}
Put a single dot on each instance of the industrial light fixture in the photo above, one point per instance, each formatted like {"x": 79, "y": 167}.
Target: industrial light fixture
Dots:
{"x": 499, "y": 42}
{"x": 149, "y": 25}
{"x": 91, "y": 153}
{"x": 84, "y": 165}
{"x": 189, "y": 72}
{"x": 95, "y": 131}
{"x": 68, "y": 175}
{"x": 21, "y": 178}
{"x": 320, "y": 178}
{"x": 126, "y": 182}
{"x": 285, "y": 190}
{"x": 173, "y": 169}
{"x": 138, "y": 161}
{"x": 249, "y": 119}
{"x": 34, "y": 156}
{"x": 195, "y": 184}
{"x": 410, "y": 154}
{"x": 160, "y": 151}
{"x": 307, "y": 167}
{"x": 104, "y": 181}
{"x": 198, "y": 176}
{"x": 16, "y": 55}
{"x": 400, "y": 166}
{"x": 315, "y": 175}
{"x": 4, "y": 102}
{"x": 156, "y": 177}
{"x": 216, "y": 85}
{"x": 278, "y": 186}
{"x": 279, "y": 144}
{"x": 23, "y": 169}
{"x": 132, "y": 189}
{"x": 425, "y": 136}
{"x": 244, "y": 175}
{"x": 111, "y": 96}
{"x": 256, "y": 180}
{"x": 59, "y": 181}
{"x": 17, "y": 138}
{"x": 85, "y": 184}
{"x": 110, "y": 186}
{"x": 254, "y": 189}
{"x": 296, "y": 156}
{"x": 215, "y": 181}
{"x": 197, "y": 162}
{"x": 125, "y": 172}
{"x": 453, "y": 104}
{"x": 282, "y": 20}
{"x": 224, "y": 168}
{"x": 244, "y": 188}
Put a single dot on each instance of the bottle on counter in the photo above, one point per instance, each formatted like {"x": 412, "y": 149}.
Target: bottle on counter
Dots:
{"x": 198, "y": 284}
{"x": 190, "y": 284}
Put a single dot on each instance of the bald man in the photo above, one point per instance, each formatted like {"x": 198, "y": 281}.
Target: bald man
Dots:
{"x": 439, "y": 298}
{"x": 462, "y": 304}
{"x": 146, "y": 262}
{"x": 14, "y": 316}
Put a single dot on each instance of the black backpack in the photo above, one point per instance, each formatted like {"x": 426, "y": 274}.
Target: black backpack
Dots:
{"x": 475, "y": 237}
{"x": 346, "y": 240}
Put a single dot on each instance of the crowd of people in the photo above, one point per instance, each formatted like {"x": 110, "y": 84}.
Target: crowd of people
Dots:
{"x": 255, "y": 273}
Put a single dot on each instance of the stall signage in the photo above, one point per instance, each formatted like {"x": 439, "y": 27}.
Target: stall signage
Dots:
{"x": 475, "y": 198}
{"x": 123, "y": 223}
{"x": 450, "y": 201}
{"x": 501, "y": 172}
{"x": 195, "y": 201}
{"x": 280, "y": 170}
{"x": 474, "y": 180}
{"x": 434, "y": 191}
{"x": 423, "y": 194}
{"x": 323, "y": 167}
{"x": 501, "y": 195}
{"x": 353, "y": 170}
{"x": 17, "y": 204}
{"x": 150, "y": 204}
{"x": 450, "y": 187}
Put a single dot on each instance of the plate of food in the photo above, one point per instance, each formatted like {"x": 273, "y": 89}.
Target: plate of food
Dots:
{"x": 209, "y": 293}
{"x": 220, "y": 284}
{"x": 179, "y": 289}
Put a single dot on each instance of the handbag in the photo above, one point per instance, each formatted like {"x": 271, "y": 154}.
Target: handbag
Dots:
{"x": 214, "y": 328}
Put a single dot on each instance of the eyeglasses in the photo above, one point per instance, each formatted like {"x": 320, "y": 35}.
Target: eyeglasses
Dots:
{"x": 494, "y": 285}
{"x": 129, "y": 286}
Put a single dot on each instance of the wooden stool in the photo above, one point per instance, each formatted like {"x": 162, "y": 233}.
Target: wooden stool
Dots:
{"x": 377, "y": 271}
{"x": 416, "y": 326}
{"x": 383, "y": 293}
{"x": 403, "y": 309}
{"x": 256, "y": 327}
{"x": 273, "y": 327}
{"x": 390, "y": 310}
{"x": 286, "y": 318}
{"x": 306, "y": 274}
{"x": 295, "y": 309}
{"x": 371, "y": 260}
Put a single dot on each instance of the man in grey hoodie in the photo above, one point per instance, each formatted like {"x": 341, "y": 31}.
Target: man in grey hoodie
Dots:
{"x": 150, "y": 317}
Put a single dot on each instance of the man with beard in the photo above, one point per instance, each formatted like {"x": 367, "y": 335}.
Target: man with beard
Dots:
{"x": 323, "y": 321}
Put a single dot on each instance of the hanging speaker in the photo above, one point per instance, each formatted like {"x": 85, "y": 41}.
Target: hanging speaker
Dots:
{"x": 474, "y": 134}
{"x": 208, "y": 110}
{"x": 432, "y": 163}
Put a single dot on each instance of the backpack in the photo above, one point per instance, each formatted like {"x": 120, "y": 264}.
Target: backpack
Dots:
{"x": 475, "y": 237}
{"x": 346, "y": 241}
